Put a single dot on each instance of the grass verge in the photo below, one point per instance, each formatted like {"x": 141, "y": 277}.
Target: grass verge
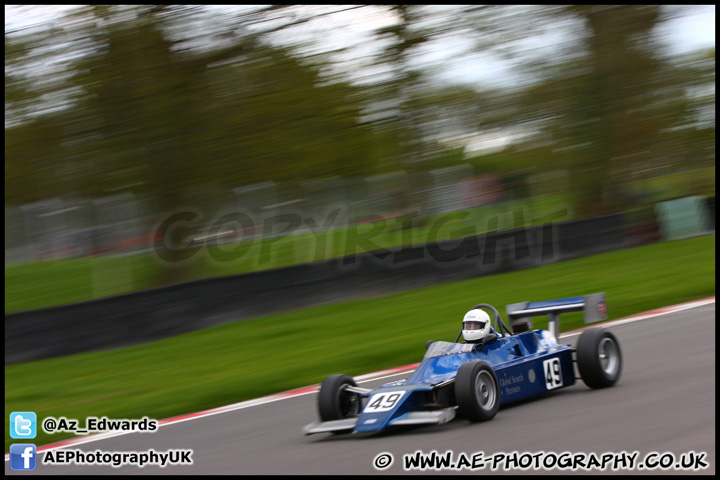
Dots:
{"x": 235, "y": 362}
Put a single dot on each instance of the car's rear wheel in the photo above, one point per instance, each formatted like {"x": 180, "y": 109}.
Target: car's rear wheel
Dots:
{"x": 477, "y": 391}
{"x": 599, "y": 358}
{"x": 334, "y": 402}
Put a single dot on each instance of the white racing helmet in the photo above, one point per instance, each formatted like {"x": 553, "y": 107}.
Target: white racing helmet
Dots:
{"x": 476, "y": 325}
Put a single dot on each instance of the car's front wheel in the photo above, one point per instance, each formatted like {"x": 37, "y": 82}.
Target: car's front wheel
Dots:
{"x": 477, "y": 391}
{"x": 334, "y": 402}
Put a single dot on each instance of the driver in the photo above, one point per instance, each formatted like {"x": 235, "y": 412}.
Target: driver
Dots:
{"x": 476, "y": 327}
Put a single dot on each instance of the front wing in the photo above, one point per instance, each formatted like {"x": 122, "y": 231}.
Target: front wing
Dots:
{"x": 430, "y": 417}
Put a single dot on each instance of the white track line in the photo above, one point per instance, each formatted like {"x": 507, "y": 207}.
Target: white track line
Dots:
{"x": 360, "y": 379}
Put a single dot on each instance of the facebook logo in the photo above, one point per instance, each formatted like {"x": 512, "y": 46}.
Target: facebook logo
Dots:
{"x": 23, "y": 425}
{"x": 23, "y": 456}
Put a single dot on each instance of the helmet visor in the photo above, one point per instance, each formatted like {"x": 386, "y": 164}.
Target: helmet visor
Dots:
{"x": 473, "y": 325}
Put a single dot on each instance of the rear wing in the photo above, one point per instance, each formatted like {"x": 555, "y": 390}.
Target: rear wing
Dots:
{"x": 520, "y": 314}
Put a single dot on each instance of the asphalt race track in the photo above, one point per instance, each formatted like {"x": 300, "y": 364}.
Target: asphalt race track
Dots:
{"x": 663, "y": 408}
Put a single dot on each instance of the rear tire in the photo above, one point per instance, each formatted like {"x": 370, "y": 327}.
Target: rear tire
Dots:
{"x": 599, "y": 358}
{"x": 477, "y": 391}
{"x": 334, "y": 403}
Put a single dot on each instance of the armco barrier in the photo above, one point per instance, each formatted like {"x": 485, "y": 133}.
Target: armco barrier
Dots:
{"x": 149, "y": 315}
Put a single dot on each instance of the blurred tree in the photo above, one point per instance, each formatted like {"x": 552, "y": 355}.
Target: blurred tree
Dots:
{"x": 33, "y": 135}
{"x": 618, "y": 107}
{"x": 397, "y": 93}
{"x": 273, "y": 118}
{"x": 169, "y": 100}
{"x": 33, "y": 166}
{"x": 603, "y": 104}
{"x": 141, "y": 101}
{"x": 18, "y": 91}
{"x": 691, "y": 143}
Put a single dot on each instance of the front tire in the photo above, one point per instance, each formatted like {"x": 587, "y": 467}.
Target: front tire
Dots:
{"x": 334, "y": 403}
{"x": 477, "y": 391}
{"x": 599, "y": 358}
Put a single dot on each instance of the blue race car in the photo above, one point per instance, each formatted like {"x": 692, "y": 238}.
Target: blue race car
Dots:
{"x": 471, "y": 379}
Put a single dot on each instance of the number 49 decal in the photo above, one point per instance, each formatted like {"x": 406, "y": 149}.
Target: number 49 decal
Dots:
{"x": 381, "y": 402}
{"x": 553, "y": 375}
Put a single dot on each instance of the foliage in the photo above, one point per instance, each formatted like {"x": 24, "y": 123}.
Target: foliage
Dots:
{"x": 181, "y": 105}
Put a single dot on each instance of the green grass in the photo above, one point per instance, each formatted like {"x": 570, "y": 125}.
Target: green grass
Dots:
{"x": 235, "y": 362}
{"x": 59, "y": 282}
{"x": 699, "y": 181}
